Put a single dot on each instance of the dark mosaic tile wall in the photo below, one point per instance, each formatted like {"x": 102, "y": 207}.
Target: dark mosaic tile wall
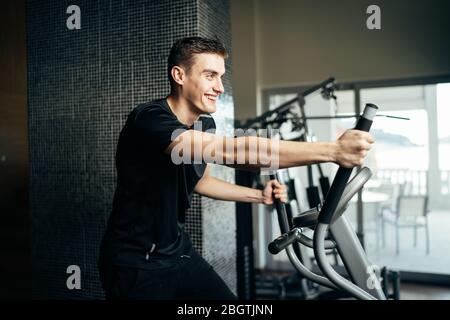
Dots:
{"x": 219, "y": 222}
{"x": 81, "y": 86}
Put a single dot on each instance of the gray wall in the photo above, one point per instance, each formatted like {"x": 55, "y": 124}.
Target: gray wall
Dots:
{"x": 245, "y": 77}
{"x": 297, "y": 42}
{"x": 81, "y": 86}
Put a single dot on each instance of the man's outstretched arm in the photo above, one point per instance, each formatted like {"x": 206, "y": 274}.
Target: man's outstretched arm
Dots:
{"x": 255, "y": 152}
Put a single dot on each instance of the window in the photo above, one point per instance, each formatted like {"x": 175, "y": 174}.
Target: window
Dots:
{"x": 413, "y": 153}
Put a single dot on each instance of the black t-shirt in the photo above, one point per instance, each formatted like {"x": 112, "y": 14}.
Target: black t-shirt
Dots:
{"x": 152, "y": 192}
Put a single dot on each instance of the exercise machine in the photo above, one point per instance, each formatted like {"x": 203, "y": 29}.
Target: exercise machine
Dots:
{"x": 364, "y": 282}
{"x": 306, "y": 287}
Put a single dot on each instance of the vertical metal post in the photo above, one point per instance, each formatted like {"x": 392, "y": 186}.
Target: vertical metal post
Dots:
{"x": 359, "y": 203}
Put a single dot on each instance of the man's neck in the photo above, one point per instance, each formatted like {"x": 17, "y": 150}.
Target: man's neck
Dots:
{"x": 182, "y": 110}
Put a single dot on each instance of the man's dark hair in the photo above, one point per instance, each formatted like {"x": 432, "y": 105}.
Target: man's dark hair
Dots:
{"x": 183, "y": 51}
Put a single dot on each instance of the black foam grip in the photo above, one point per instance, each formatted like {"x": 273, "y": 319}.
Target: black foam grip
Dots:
{"x": 340, "y": 181}
{"x": 281, "y": 210}
{"x": 282, "y": 242}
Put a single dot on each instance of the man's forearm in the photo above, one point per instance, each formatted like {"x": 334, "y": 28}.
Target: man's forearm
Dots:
{"x": 250, "y": 152}
{"x": 221, "y": 190}
{"x": 286, "y": 153}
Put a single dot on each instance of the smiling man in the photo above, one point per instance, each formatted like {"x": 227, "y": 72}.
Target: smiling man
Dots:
{"x": 145, "y": 253}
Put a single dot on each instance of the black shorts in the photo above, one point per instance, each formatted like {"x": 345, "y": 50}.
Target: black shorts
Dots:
{"x": 190, "y": 278}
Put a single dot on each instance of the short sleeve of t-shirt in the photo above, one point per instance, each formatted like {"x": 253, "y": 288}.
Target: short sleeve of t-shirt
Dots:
{"x": 158, "y": 126}
{"x": 207, "y": 124}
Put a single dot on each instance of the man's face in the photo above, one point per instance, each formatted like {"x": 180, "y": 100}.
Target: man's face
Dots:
{"x": 203, "y": 82}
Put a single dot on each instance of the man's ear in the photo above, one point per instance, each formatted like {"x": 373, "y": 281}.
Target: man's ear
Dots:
{"x": 178, "y": 74}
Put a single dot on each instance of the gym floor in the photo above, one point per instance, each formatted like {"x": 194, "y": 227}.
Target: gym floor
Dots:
{"x": 409, "y": 291}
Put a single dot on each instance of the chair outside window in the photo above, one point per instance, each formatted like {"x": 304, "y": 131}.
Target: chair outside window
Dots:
{"x": 411, "y": 212}
{"x": 390, "y": 205}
